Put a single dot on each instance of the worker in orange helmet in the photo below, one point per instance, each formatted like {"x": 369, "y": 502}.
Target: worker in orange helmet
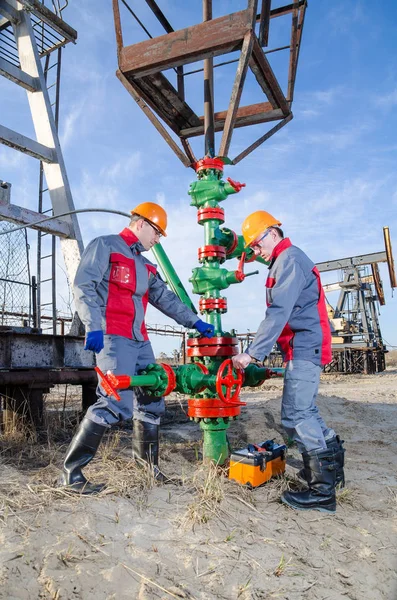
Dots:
{"x": 113, "y": 285}
{"x": 296, "y": 318}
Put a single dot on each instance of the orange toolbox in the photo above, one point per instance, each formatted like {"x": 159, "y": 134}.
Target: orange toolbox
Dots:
{"x": 257, "y": 463}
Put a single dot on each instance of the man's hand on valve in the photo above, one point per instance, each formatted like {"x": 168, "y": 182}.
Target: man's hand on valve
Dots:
{"x": 206, "y": 329}
{"x": 94, "y": 341}
{"x": 241, "y": 361}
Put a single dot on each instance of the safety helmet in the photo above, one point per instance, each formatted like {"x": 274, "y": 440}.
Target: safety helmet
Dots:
{"x": 256, "y": 223}
{"x": 154, "y": 213}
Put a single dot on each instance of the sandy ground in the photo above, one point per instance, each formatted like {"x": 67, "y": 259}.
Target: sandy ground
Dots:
{"x": 209, "y": 538}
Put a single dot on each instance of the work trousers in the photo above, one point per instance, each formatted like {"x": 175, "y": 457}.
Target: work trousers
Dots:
{"x": 299, "y": 413}
{"x": 122, "y": 356}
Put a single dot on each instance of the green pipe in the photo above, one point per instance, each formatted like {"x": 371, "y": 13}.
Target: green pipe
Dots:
{"x": 215, "y": 445}
{"x": 171, "y": 276}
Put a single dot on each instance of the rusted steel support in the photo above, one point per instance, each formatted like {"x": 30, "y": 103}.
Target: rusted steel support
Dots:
{"x": 117, "y": 27}
{"x": 209, "y": 132}
{"x": 143, "y": 106}
{"x": 236, "y": 93}
{"x": 296, "y": 36}
{"x": 205, "y": 40}
{"x": 262, "y": 139}
{"x": 46, "y": 15}
{"x": 263, "y": 72}
{"x": 264, "y": 23}
{"x": 47, "y": 377}
{"x": 246, "y": 115}
{"x": 282, "y": 10}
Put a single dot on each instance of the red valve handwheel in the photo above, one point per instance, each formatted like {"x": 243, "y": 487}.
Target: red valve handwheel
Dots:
{"x": 226, "y": 378}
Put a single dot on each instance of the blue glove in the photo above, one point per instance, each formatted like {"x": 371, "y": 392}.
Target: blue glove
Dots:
{"x": 206, "y": 329}
{"x": 94, "y": 341}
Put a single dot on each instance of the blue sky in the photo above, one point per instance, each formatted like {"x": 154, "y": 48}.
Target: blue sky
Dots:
{"x": 329, "y": 175}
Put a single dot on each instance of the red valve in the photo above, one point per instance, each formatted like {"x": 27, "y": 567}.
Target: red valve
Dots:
{"x": 240, "y": 276}
{"x": 236, "y": 185}
{"x": 226, "y": 378}
{"x": 106, "y": 384}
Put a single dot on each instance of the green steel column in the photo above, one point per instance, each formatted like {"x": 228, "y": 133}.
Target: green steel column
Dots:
{"x": 171, "y": 276}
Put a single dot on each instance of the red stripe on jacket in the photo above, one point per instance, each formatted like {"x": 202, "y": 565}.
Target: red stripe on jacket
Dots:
{"x": 326, "y": 351}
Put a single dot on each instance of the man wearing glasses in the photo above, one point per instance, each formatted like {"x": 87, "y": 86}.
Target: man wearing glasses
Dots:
{"x": 113, "y": 285}
{"x": 296, "y": 318}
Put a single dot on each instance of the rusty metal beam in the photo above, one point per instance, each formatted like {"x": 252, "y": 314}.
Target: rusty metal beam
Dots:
{"x": 205, "y": 40}
{"x": 160, "y": 128}
{"x": 46, "y": 15}
{"x": 264, "y": 75}
{"x": 262, "y": 139}
{"x": 263, "y": 37}
{"x": 236, "y": 93}
{"x": 246, "y": 115}
{"x": 298, "y": 19}
{"x": 47, "y": 377}
{"x": 117, "y": 27}
{"x": 282, "y": 10}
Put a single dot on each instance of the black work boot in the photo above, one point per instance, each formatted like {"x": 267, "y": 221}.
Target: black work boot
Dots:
{"x": 335, "y": 444}
{"x": 145, "y": 447}
{"x": 81, "y": 451}
{"x": 320, "y": 468}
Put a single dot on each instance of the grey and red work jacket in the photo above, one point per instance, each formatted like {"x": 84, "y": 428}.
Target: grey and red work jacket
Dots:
{"x": 296, "y": 315}
{"x": 114, "y": 284}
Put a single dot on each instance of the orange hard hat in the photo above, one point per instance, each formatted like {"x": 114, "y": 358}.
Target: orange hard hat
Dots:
{"x": 256, "y": 223}
{"x": 154, "y": 213}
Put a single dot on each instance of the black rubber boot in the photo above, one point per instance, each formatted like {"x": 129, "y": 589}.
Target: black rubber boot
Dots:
{"x": 145, "y": 447}
{"x": 335, "y": 444}
{"x": 320, "y": 467}
{"x": 81, "y": 451}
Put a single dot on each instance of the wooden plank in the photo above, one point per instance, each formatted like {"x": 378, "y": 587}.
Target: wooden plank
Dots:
{"x": 246, "y": 115}
{"x": 205, "y": 40}
{"x": 15, "y": 140}
{"x": 263, "y": 72}
{"x": 17, "y": 76}
{"x": 262, "y": 139}
{"x": 164, "y": 97}
{"x": 160, "y": 128}
{"x": 24, "y": 216}
{"x": 236, "y": 93}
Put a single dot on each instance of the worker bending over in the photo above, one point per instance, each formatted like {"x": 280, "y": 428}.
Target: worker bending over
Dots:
{"x": 296, "y": 317}
{"x": 113, "y": 285}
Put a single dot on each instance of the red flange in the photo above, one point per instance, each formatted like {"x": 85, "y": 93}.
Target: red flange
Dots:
{"x": 205, "y": 214}
{"x": 212, "y": 251}
{"x": 209, "y": 163}
{"x": 213, "y": 304}
{"x": 214, "y": 341}
{"x": 225, "y": 378}
{"x": 207, "y": 408}
{"x": 171, "y": 385}
{"x": 212, "y": 351}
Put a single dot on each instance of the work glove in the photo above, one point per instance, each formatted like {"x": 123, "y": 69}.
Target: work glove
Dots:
{"x": 94, "y": 341}
{"x": 206, "y": 329}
